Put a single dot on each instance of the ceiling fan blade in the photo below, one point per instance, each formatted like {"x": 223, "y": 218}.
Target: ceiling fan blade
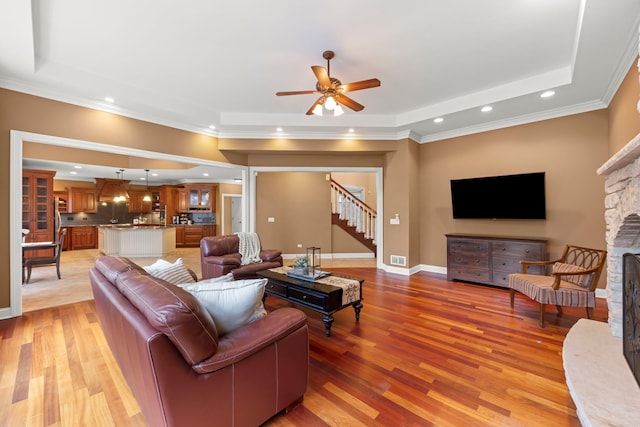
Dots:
{"x": 310, "y": 112}
{"x": 364, "y": 84}
{"x": 297, "y": 92}
{"x": 348, "y": 102}
{"x": 322, "y": 75}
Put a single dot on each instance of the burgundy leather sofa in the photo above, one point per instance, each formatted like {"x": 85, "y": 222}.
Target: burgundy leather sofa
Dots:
{"x": 220, "y": 255}
{"x": 178, "y": 368}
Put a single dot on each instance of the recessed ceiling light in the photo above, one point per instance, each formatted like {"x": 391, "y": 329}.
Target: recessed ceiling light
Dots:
{"x": 352, "y": 130}
{"x": 438, "y": 120}
{"x": 547, "y": 94}
{"x": 73, "y": 173}
{"x": 77, "y": 167}
{"x": 212, "y": 126}
{"x": 279, "y": 129}
{"x": 154, "y": 174}
{"x": 109, "y": 99}
{"x": 205, "y": 174}
{"x": 237, "y": 179}
{"x": 486, "y": 108}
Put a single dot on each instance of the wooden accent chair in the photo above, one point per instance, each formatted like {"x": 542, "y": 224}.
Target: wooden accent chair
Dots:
{"x": 48, "y": 260}
{"x": 572, "y": 282}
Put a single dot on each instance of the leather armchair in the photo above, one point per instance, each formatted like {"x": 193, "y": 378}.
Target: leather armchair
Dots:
{"x": 220, "y": 255}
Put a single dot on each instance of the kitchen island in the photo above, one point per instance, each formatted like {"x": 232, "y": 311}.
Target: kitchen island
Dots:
{"x": 136, "y": 241}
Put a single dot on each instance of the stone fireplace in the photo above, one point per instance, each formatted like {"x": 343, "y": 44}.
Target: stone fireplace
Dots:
{"x": 622, "y": 217}
{"x": 601, "y": 383}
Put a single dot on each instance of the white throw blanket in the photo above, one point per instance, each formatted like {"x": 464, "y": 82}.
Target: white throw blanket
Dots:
{"x": 249, "y": 248}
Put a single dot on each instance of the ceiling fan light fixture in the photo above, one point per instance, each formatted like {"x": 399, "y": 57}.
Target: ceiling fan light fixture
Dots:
{"x": 330, "y": 103}
{"x": 317, "y": 110}
{"x": 338, "y": 111}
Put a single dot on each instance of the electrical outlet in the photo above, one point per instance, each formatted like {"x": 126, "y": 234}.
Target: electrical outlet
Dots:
{"x": 299, "y": 245}
{"x": 271, "y": 219}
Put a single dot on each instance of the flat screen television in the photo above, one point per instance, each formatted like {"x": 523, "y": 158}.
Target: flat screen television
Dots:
{"x": 520, "y": 196}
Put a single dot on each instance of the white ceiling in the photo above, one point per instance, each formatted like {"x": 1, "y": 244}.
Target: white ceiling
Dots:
{"x": 194, "y": 64}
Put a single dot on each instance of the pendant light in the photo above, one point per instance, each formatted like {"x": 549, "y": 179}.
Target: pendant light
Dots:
{"x": 121, "y": 194}
{"x": 147, "y": 195}
{"x": 118, "y": 196}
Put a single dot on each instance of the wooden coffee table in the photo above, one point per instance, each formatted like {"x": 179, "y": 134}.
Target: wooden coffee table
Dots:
{"x": 325, "y": 299}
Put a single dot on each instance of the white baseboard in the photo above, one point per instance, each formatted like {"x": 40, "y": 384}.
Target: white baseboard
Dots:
{"x": 6, "y": 313}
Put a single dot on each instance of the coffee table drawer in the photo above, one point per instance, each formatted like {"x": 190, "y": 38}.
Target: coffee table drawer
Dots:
{"x": 307, "y": 298}
{"x": 275, "y": 288}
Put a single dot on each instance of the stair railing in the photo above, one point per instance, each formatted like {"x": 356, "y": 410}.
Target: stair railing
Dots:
{"x": 357, "y": 213}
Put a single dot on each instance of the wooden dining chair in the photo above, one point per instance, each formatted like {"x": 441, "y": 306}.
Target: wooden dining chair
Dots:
{"x": 47, "y": 260}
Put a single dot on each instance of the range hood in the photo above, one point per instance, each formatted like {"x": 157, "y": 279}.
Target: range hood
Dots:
{"x": 107, "y": 188}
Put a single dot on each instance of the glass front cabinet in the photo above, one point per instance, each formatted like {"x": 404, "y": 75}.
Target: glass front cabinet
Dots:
{"x": 37, "y": 207}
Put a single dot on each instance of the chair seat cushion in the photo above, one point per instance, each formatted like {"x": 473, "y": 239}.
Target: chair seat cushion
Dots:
{"x": 539, "y": 288}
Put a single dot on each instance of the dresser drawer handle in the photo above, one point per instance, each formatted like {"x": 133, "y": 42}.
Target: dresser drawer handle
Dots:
{"x": 304, "y": 297}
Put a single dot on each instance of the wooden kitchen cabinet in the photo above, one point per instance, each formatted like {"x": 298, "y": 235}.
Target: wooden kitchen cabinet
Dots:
{"x": 82, "y": 200}
{"x": 137, "y": 203}
{"x": 208, "y": 230}
{"x": 179, "y": 236}
{"x": 183, "y": 200}
{"x": 63, "y": 201}
{"x": 37, "y": 208}
{"x": 192, "y": 235}
{"x": 84, "y": 237}
{"x": 197, "y": 198}
{"x": 189, "y": 236}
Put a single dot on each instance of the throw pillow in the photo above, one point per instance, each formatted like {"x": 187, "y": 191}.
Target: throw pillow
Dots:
{"x": 581, "y": 280}
{"x": 175, "y": 273}
{"x": 160, "y": 264}
{"x": 230, "y": 304}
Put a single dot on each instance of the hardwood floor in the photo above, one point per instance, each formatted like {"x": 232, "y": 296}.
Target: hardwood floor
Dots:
{"x": 425, "y": 352}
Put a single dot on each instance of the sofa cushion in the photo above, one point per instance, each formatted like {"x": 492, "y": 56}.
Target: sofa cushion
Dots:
{"x": 231, "y": 303}
{"x": 175, "y": 273}
{"x": 172, "y": 311}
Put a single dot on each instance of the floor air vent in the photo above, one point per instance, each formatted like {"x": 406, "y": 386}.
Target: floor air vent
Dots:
{"x": 398, "y": 260}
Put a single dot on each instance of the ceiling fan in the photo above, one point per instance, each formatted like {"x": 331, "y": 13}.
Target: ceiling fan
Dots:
{"x": 332, "y": 90}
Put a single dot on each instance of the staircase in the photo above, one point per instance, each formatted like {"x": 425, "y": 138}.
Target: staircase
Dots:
{"x": 353, "y": 216}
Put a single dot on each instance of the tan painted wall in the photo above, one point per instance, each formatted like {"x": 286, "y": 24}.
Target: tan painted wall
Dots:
{"x": 568, "y": 150}
{"x": 401, "y": 197}
{"x": 624, "y": 119}
{"x": 300, "y": 204}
